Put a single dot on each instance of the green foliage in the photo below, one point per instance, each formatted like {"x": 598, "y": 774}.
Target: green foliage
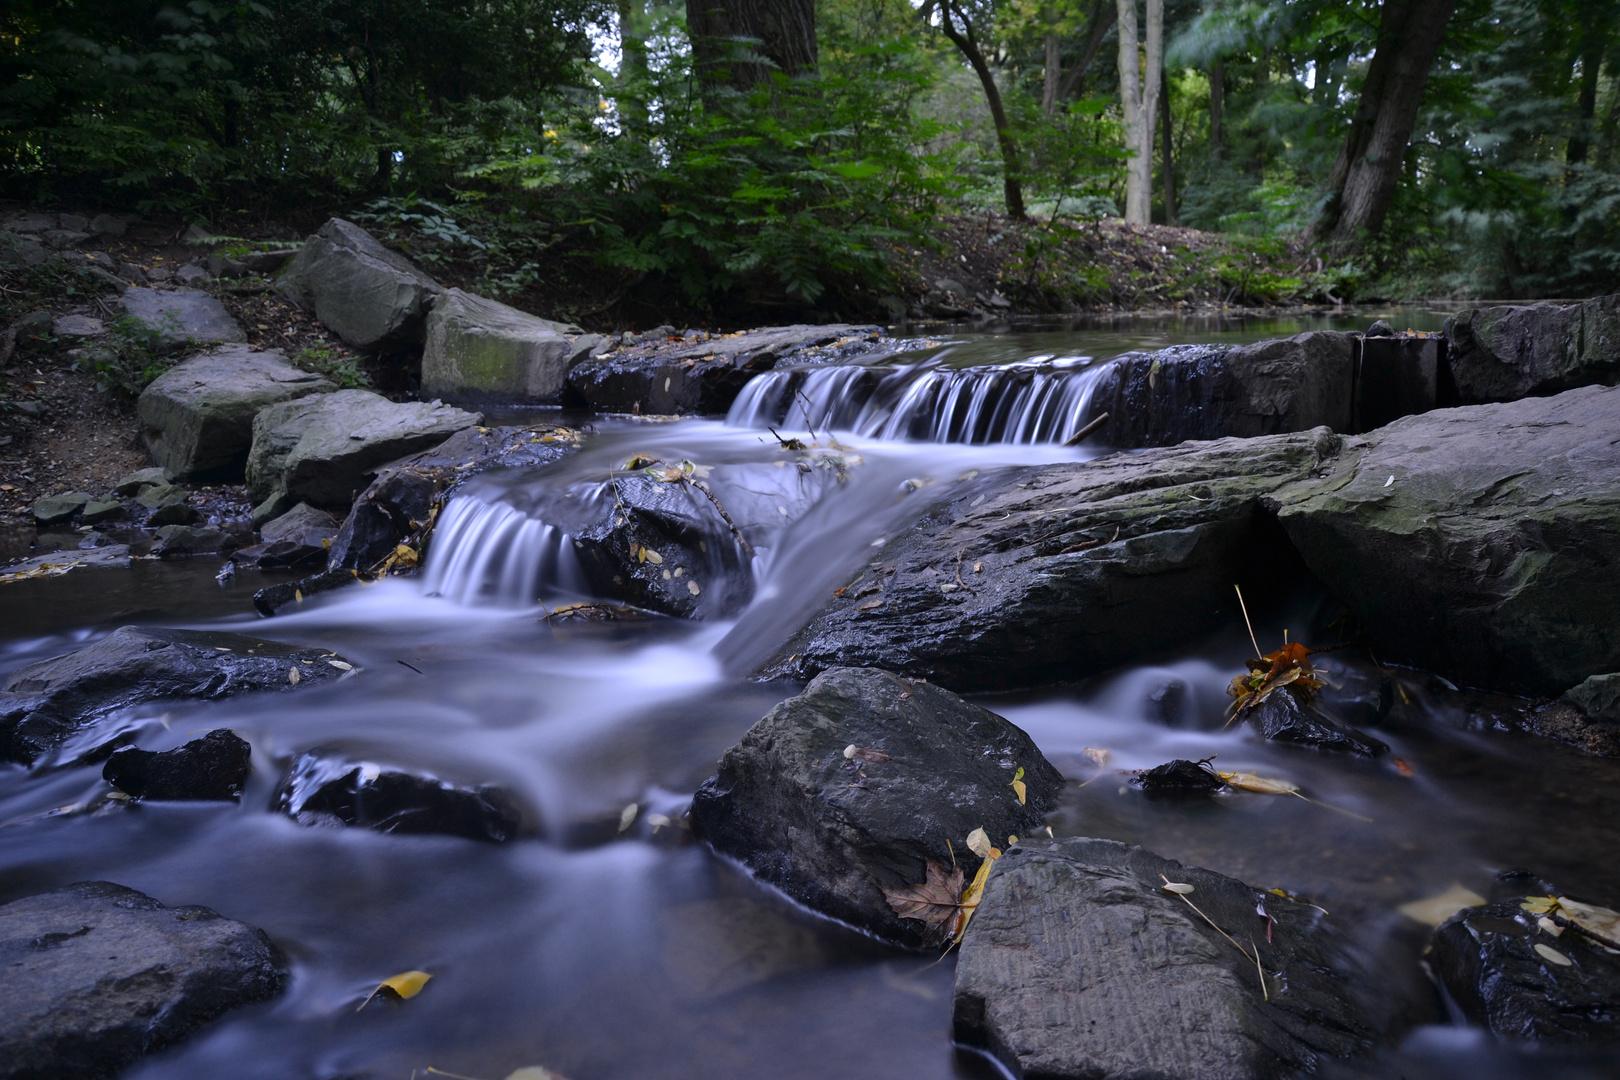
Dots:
{"x": 126, "y": 359}
{"x": 341, "y": 367}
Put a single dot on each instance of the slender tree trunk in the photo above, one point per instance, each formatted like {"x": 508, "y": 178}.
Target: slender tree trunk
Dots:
{"x": 1096, "y": 31}
{"x": 1053, "y": 81}
{"x": 632, "y": 65}
{"x": 1167, "y": 162}
{"x": 1586, "y": 106}
{"x": 967, "y": 43}
{"x": 741, "y": 43}
{"x": 1140, "y": 94}
{"x": 1368, "y": 170}
{"x": 1217, "y": 106}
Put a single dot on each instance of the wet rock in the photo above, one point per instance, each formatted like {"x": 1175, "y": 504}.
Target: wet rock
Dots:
{"x": 197, "y": 417}
{"x": 705, "y": 375}
{"x": 1210, "y": 392}
{"x": 1508, "y": 352}
{"x": 54, "y": 562}
{"x": 301, "y": 522}
{"x": 1486, "y": 959}
{"x": 273, "y": 598}
{"x": 1081, "y": 567}
{"x": 325, "y": 449}
{"x": 1397, "y": 375}
{"x": 1355, "y": 691}
{"x": 478, "y": 349}
{"x": 1476, "y": 542}
{"x": 61, "y": 509}
{"x": 324, "y": 787}
{"x": 833, "y": 831}
{"x": 397, "y": 506}
{"x": 44, "y": 703}
{"x": 1178, "y": 779}
{"x": 157, "y": 496}
{"x": 98, "y": 975}
{"x": 178, "y": 540}
{"x": 276, "y": 555}
{"x": 1598, "y": 697}
{"x": 141, "y": 479}
{"x": 182, "y": 317}
{"x": 214, "y": 767}
{"x": 101, "y": 510}
{"x": 1288, "y": 717}
{"x": 374, "y": 299}
{"x": 1078, "y": 965}
{"x": 174, "y": 514}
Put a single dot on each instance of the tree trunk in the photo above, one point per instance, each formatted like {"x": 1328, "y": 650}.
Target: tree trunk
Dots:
{"x": 1053, "y": 81}
{"x": 1140, "y": 94}
{"x": 967, "y": 43}
{"x": 741, "y": 43}
{"x": 1217, "y": 105}
{"x": 1168, "y": 161}
{"x": 1581, "y": 141}
{"x": 1096, "y": 30}
{"x": 1368, "y": 170}
{"x": 632, "y": 65}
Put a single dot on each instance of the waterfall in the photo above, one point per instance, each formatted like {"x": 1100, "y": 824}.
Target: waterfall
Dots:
{"x": 1042, "y": 400}
{"x": 492, "y": 553}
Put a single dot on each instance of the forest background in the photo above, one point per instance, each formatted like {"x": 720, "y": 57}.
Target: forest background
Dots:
{"x": 791, "y": 155}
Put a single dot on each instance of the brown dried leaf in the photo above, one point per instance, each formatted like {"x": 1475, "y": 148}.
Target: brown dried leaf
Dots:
{"x": 935, "y": 902}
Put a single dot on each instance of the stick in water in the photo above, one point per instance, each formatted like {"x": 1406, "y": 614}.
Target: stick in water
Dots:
{"x": 1246, "y": 621}
{"x": 1074, "y": 440}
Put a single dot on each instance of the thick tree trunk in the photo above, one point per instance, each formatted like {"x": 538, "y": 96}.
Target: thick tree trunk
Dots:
{"x": 1053, "y": 73}
{"x": 1217, "y": 107}
{"x": 1368, "y": 170}
{"x": 967, "y": 43}
{"x": 1140, "y": 94}
{"x": 741, "y": 43}
{"x": 1167, "y": 161}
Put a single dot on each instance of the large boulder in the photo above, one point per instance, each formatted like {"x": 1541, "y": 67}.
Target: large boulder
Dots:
{"x": 1210, "y": 392}
{"x": 197, "y": 417}
{"x": 1508, "y": 352}
{"x": 478, "y": 349}
{"x": 1079, "y": 964}
{"x": 1478, "y": 542}
{"x": 848, "y": 792}
{"x": 45, "y": 703}
{"x": 704, "y": 373}
{"x": 374, "y": 299}
{"x": 98, "y": 975}
{"x": 324, "y": 787}
{"x": 325, "y": 449}
{"x": 179, "y": 318}
{"x": 1054, "y": 573}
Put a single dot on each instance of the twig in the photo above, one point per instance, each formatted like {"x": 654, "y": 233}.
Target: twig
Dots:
{"x": 807, "y": 406}
{"x": 1263, "y": 991}
{"x": 1224, "y": 934}
{"x": 1074, "y": 440}
{"x": 1246, "y": 621}
{"x": 748, "y": 548}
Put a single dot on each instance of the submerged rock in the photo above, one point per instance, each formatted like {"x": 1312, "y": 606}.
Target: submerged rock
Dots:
{"x": 1287, "y": 716}
{"x": 478, "y": 350}
{"x": 1069, "y": 570}
{"x": 1476, "y": 542}
{"x": 1486, "y": 958}
{"x": 273, "y": 598}
{"x": 197, "y": 417}
{"x": 1512, "y": 351}
{"x": 215, "y": 766}
{"x": 703, "y": 373}
{"x": 178, "y": 318}
{"x": 1079, "y": 965}
{"x": 98, "y": 975}
{"x": 374, "y": 299}
{"x": 323, "y": 787}
{"x": 852, "y": 788}
{"x": 44, "y": 703}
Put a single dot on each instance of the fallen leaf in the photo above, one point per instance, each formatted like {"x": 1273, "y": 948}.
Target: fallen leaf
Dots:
{"x": 1553, "y": 955}
{"x": 1600, "y": 922}
{"x": 1549, "y": 927}
{"x": 293, "y": 676}
{"x": 692, "y": 587}
{"x": 1261, "y": 784}
{"x": 935, "y": 902}
{"x": 341, "y": 665}
{"x": 973, "y": 893}
{"x": 979, "y": 843}
{"x": 627, "y": 816}
{"x": 1403, "y": 768}
{"x": 1437, "y": 909}
{"x": 1099, "y": 757}
{"x": 852, "y": 751}
{"x": 652, "y": 556}
{"x": 869, "y": 605}
{"x": 405, "y": 985}
{"x": 978, "y": 568}
{"x": 1018, "y": 785}
{"x": 1180, "y": 888}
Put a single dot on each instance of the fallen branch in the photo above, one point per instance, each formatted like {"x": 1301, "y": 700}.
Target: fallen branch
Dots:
{"x": 748, "y": 548}
{"x": 1074, "y": 440}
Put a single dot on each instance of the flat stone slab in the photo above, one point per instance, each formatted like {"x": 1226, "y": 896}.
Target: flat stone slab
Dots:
{"x": 197, "y": 417}
{"x": 56, "y": 563}
{"x": 478, "y": 349}
{"x": 1078, "y": 965}
{"x": 182, "y": 317}
{"x": 61, "y": 509}
{"x": 325, "y": 449}
{"x": 373, "y": 298}
{"x": 98, "y": 975}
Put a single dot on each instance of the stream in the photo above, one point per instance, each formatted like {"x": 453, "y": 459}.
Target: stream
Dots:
{"x": 606, "y": 948}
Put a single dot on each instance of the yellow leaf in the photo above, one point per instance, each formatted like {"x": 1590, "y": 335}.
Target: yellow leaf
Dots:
{"x": 1251, "y": 782}
{"x": 1437, "y": 909}
{"x": 1539, "y": 904}
{"x": 406, "y": 985}
{"x": 979, "y": 843}
{"x": 972, "y": 894}
{"x": 1180, "y": 888}
{"x": 1018, "y": 789}
{"x": 1554, "y": 955}
{"x": 1099, "y": 757}
{"x": 653, "y": 556}
{"x": 692, "y": 587}
{"x": 341, "y": 665}
{"x": 1600, "y": 922}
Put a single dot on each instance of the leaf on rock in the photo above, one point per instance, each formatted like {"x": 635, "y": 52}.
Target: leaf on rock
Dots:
{"x": 1018, "y": 786}
{"x": 876, "y": 757}
{"x": 936, "y": 902}
{"x": 1250, "y": 782}
{"x": 978, "y": 842}
{"x": 1553, "y": 955}
{"x": 974, "y": 893}
{"x": 1180, "y": 888}
{"x": 1437, "y": 909}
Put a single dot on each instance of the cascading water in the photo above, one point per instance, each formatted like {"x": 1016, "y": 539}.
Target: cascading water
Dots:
{"x": 1043, "y": 400}
{"x": 492, "y": 553}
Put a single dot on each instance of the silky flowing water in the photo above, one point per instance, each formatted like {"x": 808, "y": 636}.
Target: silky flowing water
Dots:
{"x": 638, "y": 955}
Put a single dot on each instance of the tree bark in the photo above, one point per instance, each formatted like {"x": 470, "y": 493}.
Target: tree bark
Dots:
{"x": 967, "y": 43}
{"x": 1096, "y": 30}
{"x": 1140, "y": 94}
{"x": 632, "y": 65}
{"x": 1167, "y": 162}
{"x": 1586, "y": 106}
{"x": 1053, "y": 74}
{"x": 742, "y": 43}
{"x": 1368, "y": 170}
{"x": 1217, "y": 106}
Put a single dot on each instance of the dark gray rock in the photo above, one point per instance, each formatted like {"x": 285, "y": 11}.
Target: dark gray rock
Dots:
{"x": 705, "y": 375}
{"x": 157, "y": 496}
{"x": 141, "y": 479}
{"x": 326, "y": 448}
{"x": 1079, "y": 965}
{"x": 372, "y": 298}
{"x": 276, "y": 555}
{"x": 1210, "y": 392}
{"x": 16, "y": 251}
{"x": 34, "y": 327}
{"x": 1396, "y": 375}
{"x": 174, "y": 515}
{"x": 197, "y": 417}
{"x": 61, "y": 509}
{"x": 102, "y": 510}
{"x": 192, "y": 275}
{"x": 1598, "y": 697}
{"x": 1477, "y": 542}
{"x": 108, "y": 225}
{"x": 324, "y": 787}
{"x": 1082, "y": 567}
{"x": 835, "y": 832}
{"x": 1509, "y": 352}
{"x": 272, "y": 598}
{"x": 1287, "y": 716}
{"x": 182, "y": 317}
{"x": 174, "y": 541}
{"x": 113, "y": 555}
{"x": 1486, "y": 959}
{"x": 301, "y": 522}
{"x": 98, "y": 975}
{"x": 214, "y": 767}
{"x": 1178, "y": 779}
{"x": 78, "y": 327}
{"x": 479, "y": 350}
{"x": 44, "y": 703}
